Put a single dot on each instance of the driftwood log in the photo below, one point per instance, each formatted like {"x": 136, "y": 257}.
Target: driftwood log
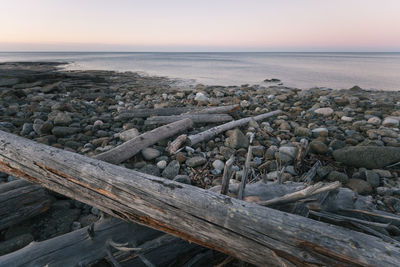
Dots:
{"x": 148, "y": 112}
{"x": 133, "y": 146}
{"x": 80, "y": 247}
{"x": 248, "y": 231}
{"x": 208, "y": 134}
{"x": 20, "y": 201}
{"x": 196, "y": 118}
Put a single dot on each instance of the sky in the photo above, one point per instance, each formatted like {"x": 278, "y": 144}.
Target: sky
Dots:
{"x": 194, "y": 25}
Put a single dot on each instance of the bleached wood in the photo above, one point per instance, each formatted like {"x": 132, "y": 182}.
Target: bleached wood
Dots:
{"x": 248, "y": 231}
{"x": 196, "y": 118}
{"x": 208, "y": 134}
{"x": 133, "y": 146}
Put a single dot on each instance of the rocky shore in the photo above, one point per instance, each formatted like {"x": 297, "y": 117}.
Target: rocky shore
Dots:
{"x": 350, "y": 135}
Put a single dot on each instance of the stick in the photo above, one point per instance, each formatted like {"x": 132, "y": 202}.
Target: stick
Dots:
{"x": 133, "y": 146}
{"x": 306, "y": 192}
{"x": 227, "y": 175}
{"x": 197, "y": 138}
{"x": 245, "y": 172}
{"x": 176, "y": 144}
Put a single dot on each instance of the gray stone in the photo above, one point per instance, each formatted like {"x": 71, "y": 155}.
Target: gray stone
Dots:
{"x": 291, "y": 151}
{"x": 200, "y": 97}
{"x": 171, "y": 170}
{"x": 370, "y": 157}
{"x": 301, "y": 131}
{"x": 258, "y": 151}
{"x": 62, "y": 131}
{"x": 318, "y": 147}
{"x": 237, "y": 140}
{"x": 375, "y": 121}
{"x": 128, "y": 134}
{"x": 338, "y": 176}
{"x": 195, "y": 161}
{"x": 360, "y": 186}
{"x": 372, "y": 178}
{"x": 62, "y": 119}
{"x": 218, "y": 165}
{"x": 323, "y": 171}
{"x": 150, "y": 169}
{"x": 46, "y": 127}
{"x": 270, "y": 153}
{"x": 26, "y": 128}
{"x": 75, "y": 226}
{"x": 383, "y": 173}
{"x": 324, "y": 111}
{"x": 182, "y": 179}
{"x": 150, "y": 153}
{"x": 337, "y": 144}
{"x": 320, "y": 132}
{"x": 391, "y": 122}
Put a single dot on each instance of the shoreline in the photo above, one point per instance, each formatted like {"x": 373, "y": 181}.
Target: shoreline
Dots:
{"x": 80, "y": 111}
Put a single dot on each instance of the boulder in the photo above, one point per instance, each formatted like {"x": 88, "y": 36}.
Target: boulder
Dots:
{"x": 370, "y": 157}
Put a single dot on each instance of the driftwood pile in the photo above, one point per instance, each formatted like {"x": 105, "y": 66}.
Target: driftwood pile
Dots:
{"x": 266, "y": 224}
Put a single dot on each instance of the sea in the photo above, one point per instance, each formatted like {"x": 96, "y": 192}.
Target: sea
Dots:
{"x": 375, "y": 71}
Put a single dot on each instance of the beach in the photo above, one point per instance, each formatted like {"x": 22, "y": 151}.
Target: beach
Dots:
{"x": 349, "y": 136}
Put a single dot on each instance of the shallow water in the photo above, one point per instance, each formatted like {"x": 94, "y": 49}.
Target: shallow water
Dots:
{"x": 379, "y": 71}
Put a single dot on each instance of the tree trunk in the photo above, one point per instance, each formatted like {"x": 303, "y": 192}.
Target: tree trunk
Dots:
{"x": 133, "y": 146}
{"x": 248, "y": 231}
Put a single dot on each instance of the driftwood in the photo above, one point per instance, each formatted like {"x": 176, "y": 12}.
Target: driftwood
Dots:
{"x": 246, "y": 170}
{"x": 133, "y": 146}
{"x": 270, "y": 237}
{"x": 196, "y": 118}
{"x": 21, "y": 203}
{"x": 148, "y": 112}
{"x": 79, "y": 247}
{"x": 206, "y": 135}
{"x": 176, "y": 144}
{"x": 227, "y": 175}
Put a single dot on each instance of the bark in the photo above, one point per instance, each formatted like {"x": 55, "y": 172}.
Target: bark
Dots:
{"x": 22, "y": 203}
{"x": 133, "y": 146}
{"x": 176, "y": 144}
{"x": 196, "y": 118}
{"x": 248, "y": 231}
{"x": 208, "y": 134}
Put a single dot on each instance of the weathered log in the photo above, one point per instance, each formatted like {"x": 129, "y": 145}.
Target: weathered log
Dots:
{"x": 79, "y": 247}
{"x": 269, "y": 236}
{"x": 148, "y": 112}
{"x": 133, "y": 146}
{"x": 22, "y": 203}
{"x": 203, "y": 136}
{"x": 227, "y": 175}
{"x": 196, "y": 118}
{"x": 13, "y": 185}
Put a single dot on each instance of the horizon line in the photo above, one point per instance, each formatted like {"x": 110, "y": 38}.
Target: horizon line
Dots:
{"x": 105, "y": 51}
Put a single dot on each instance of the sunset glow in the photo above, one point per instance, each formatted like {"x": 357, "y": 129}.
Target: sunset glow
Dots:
{"x": 177, "y": 25}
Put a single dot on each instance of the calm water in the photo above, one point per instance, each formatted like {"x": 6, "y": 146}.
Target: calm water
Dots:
{"x": 303, "y": 70}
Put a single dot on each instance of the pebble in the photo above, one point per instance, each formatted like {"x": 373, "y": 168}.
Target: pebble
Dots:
{"x": 150, "y": 153}
{"x": 128, "y": 134}
{"x": 182, "y": 179}
{"x": 360, "y": 186}
{"x": 391, "y": 122}
{"x": 218, "y": 165}
{"x": 237, "y": 140}
{"x": 318, "y": 147}
{"x": 338, "y": 176}
{"x": 324, "y": 111}
{"x": 195, "y": 161}
{"x": 372, "y": 178}
{"x": 161, "y": 164}
{"x": 171, "y": 170}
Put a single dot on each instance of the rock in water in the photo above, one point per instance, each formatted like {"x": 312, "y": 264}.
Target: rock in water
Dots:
{"x": 371, "y": 157}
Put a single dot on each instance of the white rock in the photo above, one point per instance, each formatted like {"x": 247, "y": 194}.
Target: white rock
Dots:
{"x": 345, "y": 118}
{"x": 324, "y": 111}
{"x": 161, "y": 164}
{"x": 375, "y": 121}
{"x": 244, "y": 104}
{"x": 200, "y": 97}
{"x": 98, "y": 123}
{"x": 320, "y": 132}
{"x": 391, "y": 122}
{"x": 150, "y": 153}
{"x": 218, "y": 165}
{"x": 128, "y": 134}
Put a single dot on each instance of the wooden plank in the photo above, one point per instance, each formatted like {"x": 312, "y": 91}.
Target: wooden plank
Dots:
{"x": 248, "y": 231}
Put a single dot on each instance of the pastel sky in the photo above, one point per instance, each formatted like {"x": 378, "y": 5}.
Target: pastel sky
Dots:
{"x": 206, "y": 25}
